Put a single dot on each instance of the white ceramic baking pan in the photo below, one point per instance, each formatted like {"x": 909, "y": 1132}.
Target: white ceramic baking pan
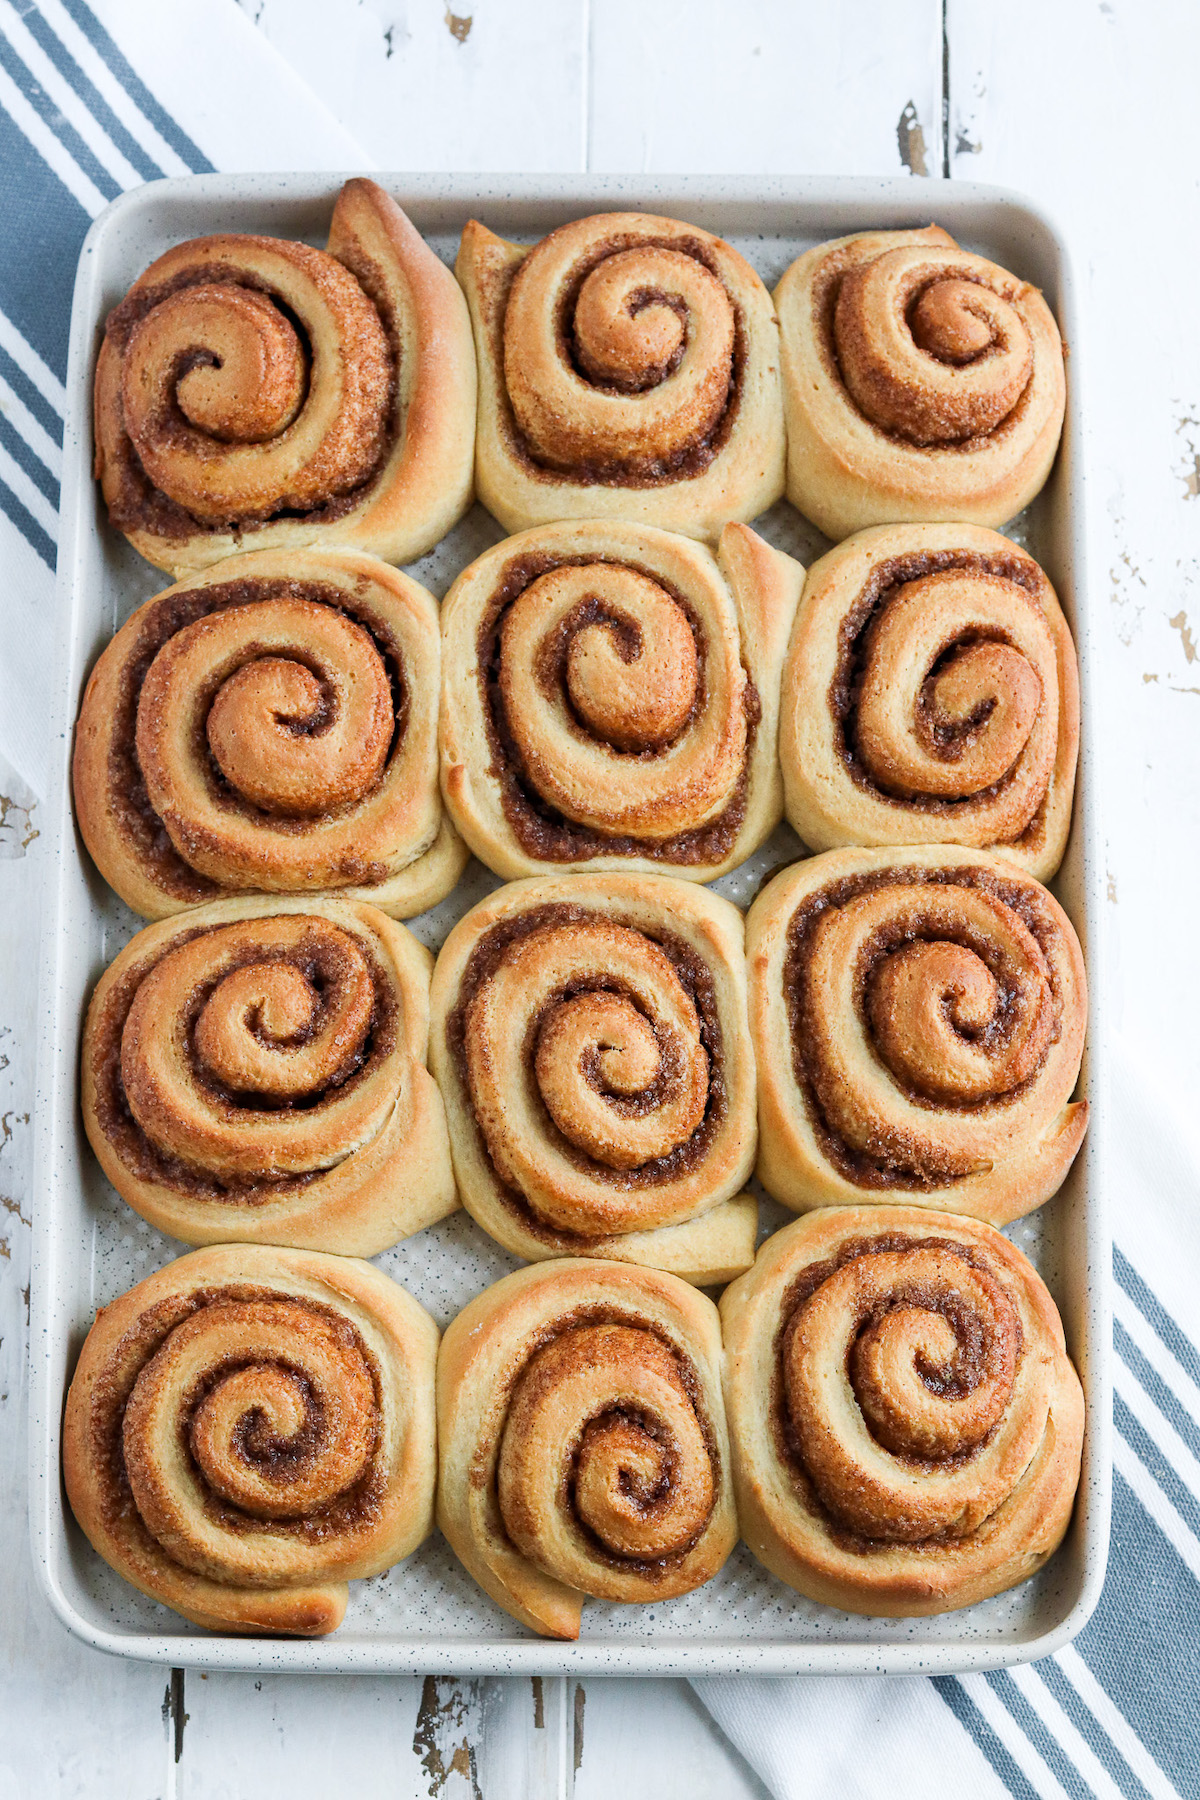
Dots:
{"x": 427, "y": 1615}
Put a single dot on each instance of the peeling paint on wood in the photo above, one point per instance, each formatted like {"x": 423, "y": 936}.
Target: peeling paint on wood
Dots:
{"x": 910, "y": 137}
{"x": 1180, "y": 624}
{"x": 580, "y": 1704}
{"x": 175, "y": 1717}
{"x": 13, "y": 1208}
{"x": 1189, "y": 473}
{"x": 17, "y": 829}
{"x": 1123, "y": 575}
{"x": 443, "y": 1738}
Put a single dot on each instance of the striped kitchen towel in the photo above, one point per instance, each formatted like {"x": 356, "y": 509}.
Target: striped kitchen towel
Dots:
{"x": 97, "y": 98}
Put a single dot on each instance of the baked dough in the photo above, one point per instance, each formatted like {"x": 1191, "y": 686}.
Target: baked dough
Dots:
{"x": 250, "y": 1429}
{"x": 919, "y": 382}
{"x": 907, "y": 1428}
{"x": 931, "y": 695}
{"x": 628, "y": 369}
{"x": 270, "y": 724}
{"x": 254, "y": 1071}
{"x": 918, "y": 1019}
{"x": 612, "y": 699}
{"x": 254, "y": 393}
{"x": 588, "y": 1033}
{"x": 582, "y": 1442}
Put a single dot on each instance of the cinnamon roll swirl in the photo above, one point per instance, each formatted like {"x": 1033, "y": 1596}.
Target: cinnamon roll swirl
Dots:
{"x": 270, "y": 724}
{"x": 931, "y": 695}
{"x": 919, "y": 382}
{"x": 628, "y": 368}
{"x": 907, "y": 1427}
{"x": 918, "y": 1018}
{"x": 582, "y": 1442}
{"x": 611, "y": 699}
{"x": 255, "y": 387}
{"x": 250, "y": 1429}
{"x": 255, "y": 1071}
{"x": 588, "y": 1034}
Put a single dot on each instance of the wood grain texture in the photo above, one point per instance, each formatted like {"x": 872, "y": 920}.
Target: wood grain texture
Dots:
{"x": 837, "y": 89}
{"x": 492, "y": 86}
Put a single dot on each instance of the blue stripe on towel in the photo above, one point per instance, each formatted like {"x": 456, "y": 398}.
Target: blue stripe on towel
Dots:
{"x": 30, "y": 396}
{"x": 1153, "y": 1311}
{"x": 1148, "y": 1452}
{"x": 44, "y": 228}
{"x": 973, "y": 1722}
{"x": 1039, "y": 1735}
{"x": 1090, "y": 1730}
{"x": 1171, "y": 1408}
{"x": 1143, "y": 1641}
{"x": 25, "y": 459}
{"x": 57, "y": 122}
{"x": 28, "y": 526}
{"x": 91, "y": 97}
{"x": 137, "y": 90}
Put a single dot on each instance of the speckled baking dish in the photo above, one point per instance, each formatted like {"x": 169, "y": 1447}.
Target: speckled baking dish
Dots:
{"x": 427, "y": 1614}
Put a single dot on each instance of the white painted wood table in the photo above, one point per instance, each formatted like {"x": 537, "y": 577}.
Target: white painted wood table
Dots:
{"x": 1089, "y": 105}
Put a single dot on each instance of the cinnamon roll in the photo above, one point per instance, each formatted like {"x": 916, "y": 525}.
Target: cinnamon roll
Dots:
{"x": 254, "y": 1071}
{"x": 270, "y": 724}
{"x": 919, "y": 382}
{"x": 931, "y": 695}
{"x": 582, "y": 1442}
{"x": 252, "y": 387}
{"x": 612, "y": 699}
{"x": 907, "y": 1427}
{"x": 250, "y": 1429}
{"x": 589, "y": 1037}
{"x": 918, "y": 1018}
{"x": 628, "y": 368}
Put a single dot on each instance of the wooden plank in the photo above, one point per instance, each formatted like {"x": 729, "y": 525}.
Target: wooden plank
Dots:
{"x": 292, "y": 1736}
{"x": 478, "y": 84}
{"x": 384, "y": 1738}
{"x": 851, "y": 88}
{"x": 643, "y": 1738}
{"x": 1091, "y": 109}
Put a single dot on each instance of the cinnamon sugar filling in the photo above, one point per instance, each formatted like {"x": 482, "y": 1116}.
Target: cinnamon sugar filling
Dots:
{"x": 127, "y": 795}
{"x": 972, "y": 1359}
{"x": 540, "y": 829}
{"x": 696, "y": 979}
{"x": 877, "y": 1171}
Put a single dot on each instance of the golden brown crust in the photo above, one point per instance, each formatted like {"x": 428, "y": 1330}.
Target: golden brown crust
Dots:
{"x": 249, "y": 1429}
{"x": 931, "y": 695}
{"x": 254, "y": 1071}
{"x": 582, "y": 1441}
{"x": 920, "y": 382}
{"x": 611, "y": 699}
{"x": 628, "y": 368}
{"x": 357, "y": 430}
{"x": 270, "y": 724}
{"x": 918, "y": 1018}
{"x": 588, "y": 1034}
{"x": 907, "y": 1428}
